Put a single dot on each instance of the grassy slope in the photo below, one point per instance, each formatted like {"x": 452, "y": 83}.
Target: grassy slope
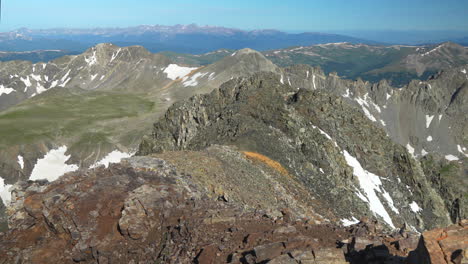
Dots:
{"x": 71, "y": 114}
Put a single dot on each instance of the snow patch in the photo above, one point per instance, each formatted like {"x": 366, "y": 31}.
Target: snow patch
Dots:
{"x": 351, "y": 222}
{"x": 26, "y": 82}
{"x": 91, "y": 60}
{"x": 410, "y": 149}
{"x": 212, "y": 76}
{"x": 389, "y": 199}
{"x": 193, "y": 81}
{"x": 415, "y": 207}
{"x": 461, "y": 150}
{"x": 113, "y": 157}
{"x": 463, "y": 71}
{"x": 65, "y": 83}
{"x": 52, "y": 165}
{"x": 37, "y": 78}
{"x": 368, "y": 114}
{"x": 371, "y": 184}
{"x": 21, "y": 161}
{"x": 326, "y": 135}
{"x": 93, "y": 77}
{"x": 440, "y": 117}
{"x": 347, "y": 93}
{"x": 40, "y": 89}
{"x": 424, "y": 152}
{"x": 429, "y": 138}
{"x": 364, "y": 104}
{"x": 174, "y": 71}
{"x": 65, "y": 76}
{"x": 53, "y": 84}
{"x": 4, "y": 90}
{"x": 5, "y": 193}
{"x": 429, "y": 120}
{"x": 451, "y": 158}
{"x": 313, "y": 81}
{"x": 282, "y": 80}
{"x": 114, "y": 55}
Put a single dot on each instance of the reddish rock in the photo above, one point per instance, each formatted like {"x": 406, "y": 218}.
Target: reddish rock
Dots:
{"x": 442, "y": 246}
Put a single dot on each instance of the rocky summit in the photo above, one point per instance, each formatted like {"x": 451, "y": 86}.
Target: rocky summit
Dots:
{"x": 146, "y": 210}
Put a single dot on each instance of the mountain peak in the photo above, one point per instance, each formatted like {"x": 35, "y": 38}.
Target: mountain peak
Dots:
{"x": 246, "y": 51}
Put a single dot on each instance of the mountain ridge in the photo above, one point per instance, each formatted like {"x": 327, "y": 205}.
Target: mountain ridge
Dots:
{"x": 118, "y": 112}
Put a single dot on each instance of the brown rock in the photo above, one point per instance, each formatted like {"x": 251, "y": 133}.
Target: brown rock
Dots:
{"x": 329, "y": 256}
{"x": 207, "y": 255}
{"x": 360, "y": 243}
{"x": 283, "y": 259}
{"x": 285, "y": 230}
{"x": 443, "y": 245}
{"x": 268, "y": 251}
{"x": 303, "y": 256}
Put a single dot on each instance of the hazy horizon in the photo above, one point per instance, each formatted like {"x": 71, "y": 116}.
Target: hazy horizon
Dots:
{"x": 295, "y": 15}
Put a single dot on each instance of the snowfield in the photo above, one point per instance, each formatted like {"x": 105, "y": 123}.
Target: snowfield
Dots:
{"x": 52, "y": 166}
{"x": 175, "y": 71}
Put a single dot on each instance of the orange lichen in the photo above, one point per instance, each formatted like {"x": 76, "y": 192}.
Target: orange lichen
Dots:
{"x": 269, "y": 162}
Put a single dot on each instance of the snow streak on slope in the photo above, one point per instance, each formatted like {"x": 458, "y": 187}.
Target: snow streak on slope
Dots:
{"x": 193, "y": 81}
{"x": 429, "y": 120}
{"x": 371, "y": 184}
{"x": 21, "y": 161}
{"x": 347, "y": 222}
{"x": 52, "y": 166}
{"x": 368, "y": 182}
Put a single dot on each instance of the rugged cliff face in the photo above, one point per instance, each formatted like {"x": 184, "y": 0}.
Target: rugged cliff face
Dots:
{"x": 425, "y": 116}
{"x": 328, "y": 145}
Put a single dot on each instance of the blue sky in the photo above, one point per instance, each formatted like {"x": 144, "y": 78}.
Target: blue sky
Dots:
{"x": 288, "y": 15}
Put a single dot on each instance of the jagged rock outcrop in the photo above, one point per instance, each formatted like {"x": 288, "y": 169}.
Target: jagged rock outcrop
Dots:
{"x": 147, "y": 210}
{"x": 425, "y": 116}
{"x": 443, "y": 245}
{"x": 143, "y": 210}
{"x": 328, "y": 145}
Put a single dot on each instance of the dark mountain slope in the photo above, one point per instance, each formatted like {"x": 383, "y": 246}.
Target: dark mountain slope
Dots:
{"x": 341, "y": 157}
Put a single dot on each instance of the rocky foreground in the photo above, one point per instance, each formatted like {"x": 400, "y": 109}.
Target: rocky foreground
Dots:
{"x": 146, "y": 210}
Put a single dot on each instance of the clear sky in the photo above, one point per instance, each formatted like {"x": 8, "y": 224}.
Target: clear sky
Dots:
{"x": 288, "y": 15}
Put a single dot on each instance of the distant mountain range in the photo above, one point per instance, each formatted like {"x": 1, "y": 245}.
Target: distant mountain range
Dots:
{"x": 180, "y": 38}
{"x": 398, "y": 64}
